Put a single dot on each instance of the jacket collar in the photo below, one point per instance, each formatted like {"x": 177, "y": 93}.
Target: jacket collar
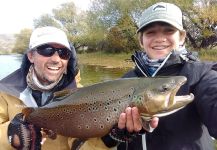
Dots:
{"x": 174, "y": 58}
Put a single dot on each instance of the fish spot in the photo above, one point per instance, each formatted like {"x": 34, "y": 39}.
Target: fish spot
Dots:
{"x": 132, "y": 89}
{"x": 94, "y": 119}
{"x": 106, "y": 108}
{"x": 82, "y": 115}
{"x": 87, "y": 127}
{"x": 107, "y": 119}
{"x": 115, "y": 109}
{"x": 95, "y": 108}
{"x": 101, "y": 126}
{"x": 80, "y": 108}
{"x": 79, "y": 127}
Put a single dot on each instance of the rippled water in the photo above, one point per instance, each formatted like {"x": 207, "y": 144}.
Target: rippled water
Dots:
{"x": 89, "y": 74}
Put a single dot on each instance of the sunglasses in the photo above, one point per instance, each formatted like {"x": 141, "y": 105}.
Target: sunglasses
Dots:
{"x": 48, "y": 51}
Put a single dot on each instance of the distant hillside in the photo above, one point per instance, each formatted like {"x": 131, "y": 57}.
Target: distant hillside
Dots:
{"x": 7, "y": 42}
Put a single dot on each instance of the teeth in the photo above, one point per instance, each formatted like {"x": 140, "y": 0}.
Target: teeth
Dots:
{"x": 53, "y": 68}
{"x": 159, "y": 47}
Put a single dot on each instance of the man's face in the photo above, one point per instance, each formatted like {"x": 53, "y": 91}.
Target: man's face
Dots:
{"x": 159, "y": 39}
{"x": 48, "y": 69}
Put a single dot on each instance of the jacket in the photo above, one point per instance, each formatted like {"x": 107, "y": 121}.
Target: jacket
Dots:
{"x": 190, "y": 128}
{"x": 14, "y": 96}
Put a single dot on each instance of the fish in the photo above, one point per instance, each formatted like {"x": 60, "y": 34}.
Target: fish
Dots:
{"x": 93, "y": 110}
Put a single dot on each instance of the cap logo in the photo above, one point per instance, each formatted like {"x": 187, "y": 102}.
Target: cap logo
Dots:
{"x": 43, "y": 33}
{"x": 159, "y": 7}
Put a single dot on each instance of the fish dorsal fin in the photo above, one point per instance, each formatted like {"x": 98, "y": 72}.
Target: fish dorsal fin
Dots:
{"x": 64, "y": 93}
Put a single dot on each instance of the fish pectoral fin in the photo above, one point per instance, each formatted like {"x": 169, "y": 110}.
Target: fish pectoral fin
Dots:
{"x": 146, "y": 123}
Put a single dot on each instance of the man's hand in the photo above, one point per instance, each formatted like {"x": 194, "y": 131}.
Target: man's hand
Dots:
{"x": 23, "y": 135}
{"x": 131, "y": 120}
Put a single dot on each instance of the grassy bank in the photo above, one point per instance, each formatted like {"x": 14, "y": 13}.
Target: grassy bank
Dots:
{"x": 107, "y": 60}
{"x": 124, "y": 60}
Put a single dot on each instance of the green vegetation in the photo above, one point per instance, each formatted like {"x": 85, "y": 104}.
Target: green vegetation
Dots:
{"x": 123, "y": 60}
{"x": 210, "y": 55}
{"x": 111, "y": 25}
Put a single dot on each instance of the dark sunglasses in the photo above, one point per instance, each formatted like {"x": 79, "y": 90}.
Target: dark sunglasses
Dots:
{"x": 48, "y": 51}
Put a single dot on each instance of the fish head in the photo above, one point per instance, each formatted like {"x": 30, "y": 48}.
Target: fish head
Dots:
{"x": 159, "y": 96}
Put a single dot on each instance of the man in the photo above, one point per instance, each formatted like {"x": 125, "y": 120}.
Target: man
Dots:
{"x": 49, "y": 65}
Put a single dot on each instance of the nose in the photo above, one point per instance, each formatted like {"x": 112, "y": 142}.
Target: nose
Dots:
{"x": 160, "y": 37}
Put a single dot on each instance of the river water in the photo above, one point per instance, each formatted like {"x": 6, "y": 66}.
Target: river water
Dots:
{"x": 89, "y": 74}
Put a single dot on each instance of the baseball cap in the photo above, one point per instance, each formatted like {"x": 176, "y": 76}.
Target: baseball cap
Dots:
{"x": 162, "y": 12}
{"x": 46, "y": 35}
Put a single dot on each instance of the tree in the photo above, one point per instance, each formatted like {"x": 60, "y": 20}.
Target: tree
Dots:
{"x": 65, "y": 14}
{"x": 46, "y": 20}
{"x": 22, "y": 41}
{"x": 200, "y": 22}
{"x": 109, "y": 21}
{"x": 122, "y": 37}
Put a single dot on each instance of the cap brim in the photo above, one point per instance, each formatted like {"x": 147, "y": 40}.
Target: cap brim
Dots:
{"x": 179, "y": 27}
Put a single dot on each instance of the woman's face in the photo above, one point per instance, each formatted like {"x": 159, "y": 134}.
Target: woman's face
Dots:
{"x": 159, "y": 39}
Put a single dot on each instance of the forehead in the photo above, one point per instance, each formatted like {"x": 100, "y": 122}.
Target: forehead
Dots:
{"x": 154, "y": 24}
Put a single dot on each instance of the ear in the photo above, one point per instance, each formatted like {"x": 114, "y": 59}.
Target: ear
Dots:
{"x": 30, "y": 56}
{"x": 182, "y": 37}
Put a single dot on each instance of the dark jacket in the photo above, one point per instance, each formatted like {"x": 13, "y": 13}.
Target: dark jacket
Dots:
{"x": 191, "y": 127}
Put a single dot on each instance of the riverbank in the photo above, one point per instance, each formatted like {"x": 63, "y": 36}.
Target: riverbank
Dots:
{"x": 124, "y": 60}
{"x": 106, "y": 60}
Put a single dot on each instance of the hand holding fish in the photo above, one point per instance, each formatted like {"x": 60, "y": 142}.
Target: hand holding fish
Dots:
{"x": 130, "y": 124}
{"x": 23, "y": 135}
{"x": 131, "y": 120}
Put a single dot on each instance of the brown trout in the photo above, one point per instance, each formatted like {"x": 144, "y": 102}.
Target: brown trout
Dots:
{"x": 92, "y": 111}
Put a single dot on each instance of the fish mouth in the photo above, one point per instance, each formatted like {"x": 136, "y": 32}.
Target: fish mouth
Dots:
{"x": 172, "y": 98}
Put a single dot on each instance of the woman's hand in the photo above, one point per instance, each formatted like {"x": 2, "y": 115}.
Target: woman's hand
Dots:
{"x": 132, "y": 122}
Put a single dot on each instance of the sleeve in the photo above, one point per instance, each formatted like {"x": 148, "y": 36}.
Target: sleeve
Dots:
{"x": 78, "y": 79}
{"x": 4, "y": 122}
{"x": 206, "y": 101}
